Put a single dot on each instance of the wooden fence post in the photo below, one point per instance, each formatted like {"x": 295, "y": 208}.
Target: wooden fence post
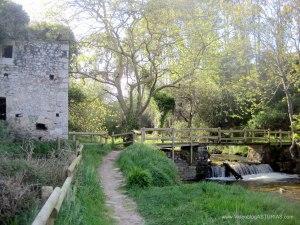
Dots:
{"x": 58, "y": 144}
{"x": 269, "y": 136}
{"x": 191, "y": 147}
{"x": 113, "y": 138}
{"x": 143, "y": 133}
{"x": 133, "y": 137}
{"x": 74, "y": 137}
{"x": 173, "y": 144}
{"x": 219, "y": 134}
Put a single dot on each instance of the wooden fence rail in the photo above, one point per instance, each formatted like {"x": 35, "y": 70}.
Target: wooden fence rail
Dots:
{"x": 50, "y": 209}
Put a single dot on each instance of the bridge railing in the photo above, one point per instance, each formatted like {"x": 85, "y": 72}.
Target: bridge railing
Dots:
{"x": 213, "y": 135}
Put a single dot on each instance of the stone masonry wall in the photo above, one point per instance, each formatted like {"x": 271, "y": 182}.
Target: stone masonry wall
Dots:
{"x": 35, "y": 84}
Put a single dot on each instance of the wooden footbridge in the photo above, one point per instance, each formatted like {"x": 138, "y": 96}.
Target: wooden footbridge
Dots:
{"x": 171, "y": 137}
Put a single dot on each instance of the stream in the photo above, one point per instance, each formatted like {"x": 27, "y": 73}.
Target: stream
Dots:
{"x": 256, "y": 177}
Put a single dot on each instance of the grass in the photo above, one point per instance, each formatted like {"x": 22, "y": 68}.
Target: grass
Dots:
{"x": 211, "y": 203}
{"x": 199, "y": 203}
{"x": 145, "y": 165}
{"x": 86, "y": 203}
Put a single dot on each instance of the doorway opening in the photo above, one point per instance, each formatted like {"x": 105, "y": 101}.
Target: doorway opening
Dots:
{"x": 2, "y": 108}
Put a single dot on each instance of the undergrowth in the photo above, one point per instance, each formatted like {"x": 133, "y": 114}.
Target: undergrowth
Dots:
{"x": 26, "y": 166}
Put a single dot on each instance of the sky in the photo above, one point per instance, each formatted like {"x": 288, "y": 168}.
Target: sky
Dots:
{"x": 35, "y": 8}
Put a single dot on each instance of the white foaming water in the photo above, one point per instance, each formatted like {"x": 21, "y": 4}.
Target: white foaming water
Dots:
{"x": 274, "y": 176}
{"x": 245, "y": 169}
{"x": 242, "y": 169}
{"x": 268, "y": 177}
{"x": 218, "y": 171}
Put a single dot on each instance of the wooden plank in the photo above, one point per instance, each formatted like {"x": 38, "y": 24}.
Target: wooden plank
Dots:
{"x": 121, "y": 134}
{"x": 63, "y": 193}
{"x": 44, "y": 215}
{"x": 157, "y": 129}
{"x": 87, "y": 133}
{"x": 73, "y": 165}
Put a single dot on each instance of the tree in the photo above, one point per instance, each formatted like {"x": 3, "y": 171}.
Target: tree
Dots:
{"x": 277, "y": 39}
{"x": 136, "y": 53}
{"x": 13, "y": 21}
{"x": 87, "y": 109}
{"x": 166, "y": 105}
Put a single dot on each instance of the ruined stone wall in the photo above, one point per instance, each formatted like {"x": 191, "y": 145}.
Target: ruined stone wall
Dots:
{"x": 35, "y": 84}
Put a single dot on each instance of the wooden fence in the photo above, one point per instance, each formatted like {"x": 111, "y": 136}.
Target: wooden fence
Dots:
{"x": 125, "y": 138}
{"x": 89, "y": 137}
{"x": 50, "y": 209}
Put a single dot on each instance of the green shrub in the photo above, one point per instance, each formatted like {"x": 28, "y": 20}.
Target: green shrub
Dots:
{"x": 138, "y": 177}
{"x": 150, "y": 160}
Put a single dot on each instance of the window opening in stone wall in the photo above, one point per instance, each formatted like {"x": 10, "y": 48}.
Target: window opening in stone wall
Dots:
{"x": 57, "y": 114}
{"x": 7, "y": 51}
{"x": 2, "y": 108}
{"x": 51, "y": 77}
{"x": 41, "y": 126}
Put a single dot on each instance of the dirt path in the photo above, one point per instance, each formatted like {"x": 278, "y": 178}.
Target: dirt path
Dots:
{"x": 123, "y": 207}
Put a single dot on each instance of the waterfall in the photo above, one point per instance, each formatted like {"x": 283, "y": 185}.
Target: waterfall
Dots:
{"x": 242, "y": 169}
{"x": 217, "y": 171}
{"x": 245, "y": 169}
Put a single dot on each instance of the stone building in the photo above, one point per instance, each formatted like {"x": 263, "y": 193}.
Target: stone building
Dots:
{"x": 34, "y": 88}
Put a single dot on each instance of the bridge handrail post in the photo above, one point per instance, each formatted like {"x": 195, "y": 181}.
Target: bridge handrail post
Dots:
{"x": 280, "y": 137}
{"x": 269, "y": 136}
{"x": 143, "y": 134}
{"x": 219, "y": 135}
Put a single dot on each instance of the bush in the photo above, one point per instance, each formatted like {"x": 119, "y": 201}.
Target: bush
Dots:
{"x": 15, "y": 196}
{"x": 25, "y": 166}
{"x": 145, "y": 162}
{"x": 138, "y": 177}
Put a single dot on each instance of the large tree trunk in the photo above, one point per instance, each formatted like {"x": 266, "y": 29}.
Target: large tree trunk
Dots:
{"x": 289, "y": 101}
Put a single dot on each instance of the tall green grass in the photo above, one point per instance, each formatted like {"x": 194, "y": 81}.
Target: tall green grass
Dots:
{"x": 145, "y": 165}
{"x": 208, "y": 203}
{"x": 86, "y": 203}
